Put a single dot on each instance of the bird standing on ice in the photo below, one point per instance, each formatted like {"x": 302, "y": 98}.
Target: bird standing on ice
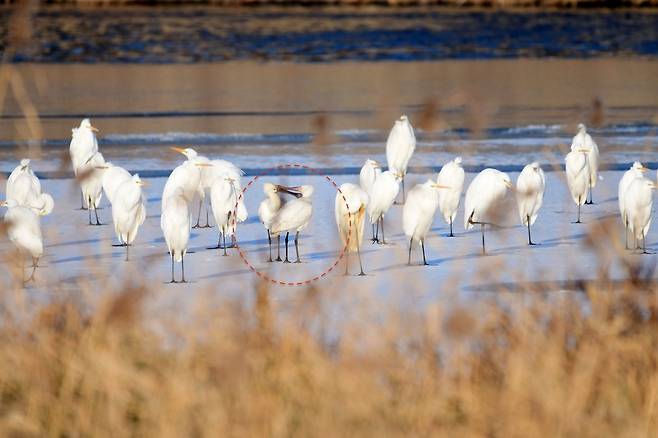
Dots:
{"x": 350, "y": 209}
{"x": 185, "y": 179}
{"x": 222, "y": 169}
{"x": 637, "y": 170}
{"x": 128, "y": 211}
{"x": 83, "y": 145}
{"x": 400, "y": 146}
{"x": 451, "y": 175}
{"x": 175, "y": 224}
{"x": 24, "y": 231}
{"x": 91, "y": 183}
{"x": 583, "y": 141}
{"x": 638, "y": 204}
{"x": 577, "y": 177}
{"x": 418, "y": 213}
{"x": 112, "y": 177}
{"x": 268, "y": 209}
{"x": 383, "y": 194}
{"x": 483, "y": 199}
{"x": 530, "y": 187}
{"x": 224, "y": 199}
{"x": 205, "y": 181}
{"x": 369, "y": 173}
{"x": 294, "y": 216}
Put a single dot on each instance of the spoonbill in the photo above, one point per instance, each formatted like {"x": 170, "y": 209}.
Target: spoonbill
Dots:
{"x": 351, "y": 203}
{"x": 294, "y": 216}
{"x": 268, "y": 209}
{"x": 400, "y": 146}
{"x": 451, "y": 175}
{"x": 530, "y": 186}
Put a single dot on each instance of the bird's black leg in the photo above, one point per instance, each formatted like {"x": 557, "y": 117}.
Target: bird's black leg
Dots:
{"x": 626, "y": 232}
{"x": 172, "y": 268}
{"x": 286, "y": 260}
{"x": 198, "y": 216}
{"x": 35, "y": 262}
{"x": 182, "y": 268}
{"x": 127, "y": 247}
{"x": 411, "y": 242}
{"x": 98, "y": 222}
{"x": 404, "y": 196}
{"x": 373, "y": 233}
{"x": 278, "y": 248}
{"x": 529, "y": 238}
{"x": 482, "y": 230}
{"x": 224, "y": 241}
{"x": 207, "y": 225}
{"x": 82, "y": 201}
{"x": 269, "y": 242}
{"x": 383, "y": 236}
{"x": 578, "y": 221}
{"x": 451, "y": 235}
{"x": 375, "y": 239}
{"x": 89, "y": 210}
{"x": 644, "y": 244}
{"x": 297, "y": 247}
{"x": 422, "y": 245}
{"x": 358, "y": 253}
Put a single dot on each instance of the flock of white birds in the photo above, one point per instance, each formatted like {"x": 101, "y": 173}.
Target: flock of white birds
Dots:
{"x": 288, "y": 210}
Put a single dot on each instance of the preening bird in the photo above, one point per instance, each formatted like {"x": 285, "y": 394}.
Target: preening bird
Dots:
{"x": 637, "y": 170}
{"x": 484, "y": 197}
{"x": 112, "y": 177}
{"x": 128, "y": 211}
{"x": 175, "y": 224}
{"x": 638, "y": 205}
{"x": 294, "y": 216}
{"x": 205, "y": 180}
{"x": 418, "y": 213}
{"x": 224, "y": 198}
{"x": 583, "y": 141}
{"x": 530, "y": 187}
{"x": 383, "y": 194}
{"x": 400, "y": 146}
{"x": 83, "y": 145}
{"x": 24, "y": 231}
{"x": 91, "y": 183}
{"x": 577, "y": 177}
{"x": 268, "y": 209}
{"x": 24, "y": 187}
{"x": 451, "y": 175}
{"x": 351, "y": 203}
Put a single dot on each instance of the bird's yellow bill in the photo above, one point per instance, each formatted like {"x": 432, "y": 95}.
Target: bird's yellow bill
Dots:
{"x": 179, "y": 150}
{"x": 644, "y": 169}
{"x": 203, "y": 165}
{"x": 583, "y": 150}
{"x": 508, "y": 184}
{"x": 440, "y": 186}
{"x": 142, "y": 183}
{"x": 94, "y": 129}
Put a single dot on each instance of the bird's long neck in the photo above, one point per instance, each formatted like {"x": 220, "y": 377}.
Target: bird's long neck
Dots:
{"x": 274, "y": 201}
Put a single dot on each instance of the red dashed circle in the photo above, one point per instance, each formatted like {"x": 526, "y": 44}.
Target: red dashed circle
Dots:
{"x": 264, "y": 275}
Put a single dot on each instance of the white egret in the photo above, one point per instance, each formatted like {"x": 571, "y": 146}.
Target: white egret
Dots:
{"x": 400, "y": 146}
{"x": 638, "y": 205}
{"x": 268, "y": 209}
{"x": 83, "y": 145}
{"x": 351, "y": 203}
{"x": 24, "y": 231}
{"x": 577, "y": 177}
{"x": 205, "y": 181}
{"x": 636, "y": 171}
{"x": 583, "y": 141}
{"x": 186, "y": 177}
{"x": 483, "y": 198}
{"x": 91, "y": 183}
{"x": 22, "y": 181}
{"x": 369, "y": 173}
{"x": 530, "y": 186}
{"x": 294, "y": 216}
{"x": 224, "y": 169}
{"x": 112, "y": 177}
{"x": 418, "y": 213}
{"x": 451, "y": 175}
{"x": 128, "y": 211}
{"x": 383, "y": 194}
{"x": 224, "y": 199}
{"x": 175, "y": 224}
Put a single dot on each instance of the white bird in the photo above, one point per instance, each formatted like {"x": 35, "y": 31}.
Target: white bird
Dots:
{"x": 175, "y": 224}
{"x": 400, "y": 146}
{"x": 483, "y": 199}
{"x": 294, "y": 216}
{"x": 24, "y": 231}
{"x": 221, "y": 169}
{"x": 205, "y": 181}
{"x": 224, "y": 199}
{"x": 637, "y": 170}
{"x": 418, "y": 213}
{"x": 383, "y": 194}
{"x": 268, "y": 209}
{"x": 530, "y": 186}
{"x": 128, "y": 211}
{"x": 582, "y": 140}
{"x": 451, "y": 175}
{"x": 577, "y": 177}
{"x": 369, "y": 173}
{"x": 185, "y": 177}
{"x": 83, "y": 145}
{"x": 351, "y": 203}
{"x": 112, "y": 177}
{"x": 91, "y": 183}
{"x": 22, "y": 181}
{"x": 638, "y": 205}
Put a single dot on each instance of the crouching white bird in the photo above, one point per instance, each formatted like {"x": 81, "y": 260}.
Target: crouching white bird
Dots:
{"x": 400, "y": 146}
{"x": 294, "y": 216}
{"x": 269, "y": 208}
{"x": 639, "y": 203}
{"x": 351, "y": 203}
{"x": 128, "y": 211}
{"x": 175, "y": 224}
{"x": 484, "y": 198}
{"x": 577, "y": 177}
{"x": 90, "y": 178}
{"x": 83, "y": 145}
{"x": 24, "y": 231}
{"x": 418, "y": 213}
{"x": 583, "y": 141}
{"x": 530, "y": 186}
{"x": 637, "y": 170}
{"x": 383, "y": 194}
{"x": 451, "y": 175}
